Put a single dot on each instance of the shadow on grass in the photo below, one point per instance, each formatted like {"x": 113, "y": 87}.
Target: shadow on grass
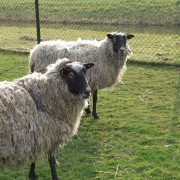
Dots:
{"x": 153, "y": 64}
{"x": 13, "y": 51}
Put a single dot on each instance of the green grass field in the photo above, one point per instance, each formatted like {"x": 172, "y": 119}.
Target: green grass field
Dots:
{"x": 92, "y": 19}
{"x": 144, "y": 12}
{"x": 137, "y": 136}
{"x": 150, "y": 44}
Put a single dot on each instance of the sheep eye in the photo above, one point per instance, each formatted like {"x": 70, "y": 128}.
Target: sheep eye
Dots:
{"x": 71, "y": 75}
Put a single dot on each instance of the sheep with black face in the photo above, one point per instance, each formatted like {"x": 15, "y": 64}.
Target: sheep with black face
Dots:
{"x": 40, "y": 112}
{"x": 109, "y": 55}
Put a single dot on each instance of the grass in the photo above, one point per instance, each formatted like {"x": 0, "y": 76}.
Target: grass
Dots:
{"x": 92, "y": 19}
{"x": 150, "y": 44}
{"x": 144, "y": 12}
{"x": 13, "y": 65}
{"x": 15, "y": 38}
{"x": 137, "y": 136}
{"x": 113, "y": 12}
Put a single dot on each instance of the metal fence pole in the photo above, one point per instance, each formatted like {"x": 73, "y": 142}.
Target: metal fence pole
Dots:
{"x": 37, "y": 21}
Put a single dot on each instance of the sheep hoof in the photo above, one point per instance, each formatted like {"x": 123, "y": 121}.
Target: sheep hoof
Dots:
{"x": 33, "y": 177}
{"x": 95, "y": 116}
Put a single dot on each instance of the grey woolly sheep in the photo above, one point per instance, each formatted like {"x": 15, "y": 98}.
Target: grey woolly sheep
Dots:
{"x": 109, "y": 55}
{"x": 39, "y": 112}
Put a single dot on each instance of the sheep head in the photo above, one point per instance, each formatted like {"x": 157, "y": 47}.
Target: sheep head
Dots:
{"x": 119, "y": 41}
{"x": 75, "y": 76}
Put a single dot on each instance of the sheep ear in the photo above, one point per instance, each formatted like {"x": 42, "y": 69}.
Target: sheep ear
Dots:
{"x": 63, "y": 71}
{"x": 88, "y": 65}
{"x": 130, "y": 36}
{"x": 110, "y": 36}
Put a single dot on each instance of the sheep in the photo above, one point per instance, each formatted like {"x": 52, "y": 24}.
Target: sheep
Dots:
{"x": 109, "y": 55}
{"x": 40, "y": 112}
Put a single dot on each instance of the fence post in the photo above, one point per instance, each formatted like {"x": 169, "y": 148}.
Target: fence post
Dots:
{"x": 37, "y": 21}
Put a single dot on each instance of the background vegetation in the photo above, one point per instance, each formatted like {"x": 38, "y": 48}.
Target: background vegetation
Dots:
{"x": 137, "y": 136}
{"x": 144, "y": 12}
{"x": 91, "y": 19}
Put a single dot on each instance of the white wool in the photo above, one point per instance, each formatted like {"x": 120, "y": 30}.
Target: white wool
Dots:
{"x": 37, "y": 114}
{"x": 109, "y": 66}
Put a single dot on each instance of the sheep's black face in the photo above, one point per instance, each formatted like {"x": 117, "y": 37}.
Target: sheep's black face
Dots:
{"x": 75, "y": 77}
{"x": 119, "y": 41}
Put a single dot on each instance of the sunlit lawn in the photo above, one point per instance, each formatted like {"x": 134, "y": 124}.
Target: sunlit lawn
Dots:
{"x": 137, "y": 136}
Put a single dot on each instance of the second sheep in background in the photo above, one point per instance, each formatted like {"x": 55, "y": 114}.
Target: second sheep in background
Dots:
{"x": 110, "y": 56}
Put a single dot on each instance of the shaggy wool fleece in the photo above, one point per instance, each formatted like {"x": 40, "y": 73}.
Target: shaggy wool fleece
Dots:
{"x": 109, "y": 66}
{"x": 37, "y": 114}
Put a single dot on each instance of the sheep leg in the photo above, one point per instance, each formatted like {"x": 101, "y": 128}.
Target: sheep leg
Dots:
{"x": 94, "y": 113}
{"x": 32, "y": 175}
{"x": 52, "y": 163}
{"x": 88, "y": 111}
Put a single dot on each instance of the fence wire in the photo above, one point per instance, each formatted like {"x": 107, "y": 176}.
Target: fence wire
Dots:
{"x": 155, "y": 23}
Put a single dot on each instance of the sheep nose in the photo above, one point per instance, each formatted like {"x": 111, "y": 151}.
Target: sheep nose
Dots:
{"x": 122, "y": 49}
{"x": 86, "y": 94}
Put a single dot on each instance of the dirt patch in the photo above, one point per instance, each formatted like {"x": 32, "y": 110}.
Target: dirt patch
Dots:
{"x": 27, "y": 38}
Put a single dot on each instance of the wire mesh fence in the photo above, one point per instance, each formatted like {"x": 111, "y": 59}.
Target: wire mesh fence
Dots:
{"x": 150, "y": 96}
{"x": 155, "y": 23}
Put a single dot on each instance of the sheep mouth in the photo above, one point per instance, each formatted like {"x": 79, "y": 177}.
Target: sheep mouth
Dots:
{"x": 120, "y": 50}
{"x": 86, "y": 95}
